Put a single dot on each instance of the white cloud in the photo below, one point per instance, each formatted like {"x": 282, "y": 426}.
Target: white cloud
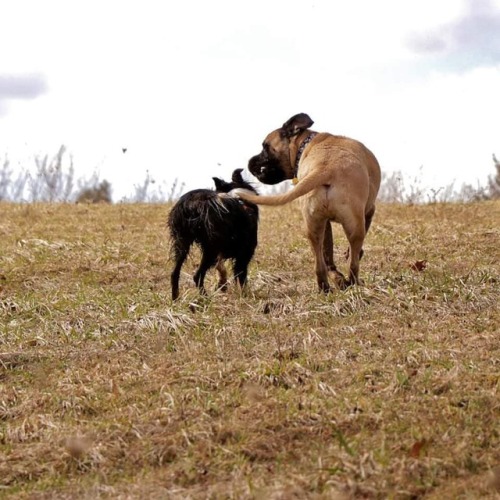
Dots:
{"x": 466, "y": 42}
{"x": 20, "y": 86}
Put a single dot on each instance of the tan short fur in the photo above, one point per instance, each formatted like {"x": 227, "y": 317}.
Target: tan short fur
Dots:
{"x": 338, "y": 181}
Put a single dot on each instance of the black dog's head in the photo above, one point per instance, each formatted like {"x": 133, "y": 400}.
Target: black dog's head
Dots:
{"x": 273, "y": 164}
{"x": 237, "y": 181}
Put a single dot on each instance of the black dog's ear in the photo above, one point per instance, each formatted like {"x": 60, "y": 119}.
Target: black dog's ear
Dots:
{"x": 218, "y": 183}
{"x": 237, "y": 177}
{"x": 296, "y": 124}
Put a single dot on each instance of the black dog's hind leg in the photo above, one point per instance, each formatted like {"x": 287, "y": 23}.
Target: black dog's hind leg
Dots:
{"x": 181, "y": 252}
{"x": 221, "y": 269}
{"x": 208, "y": 260}
{"x": 240, "y": 269}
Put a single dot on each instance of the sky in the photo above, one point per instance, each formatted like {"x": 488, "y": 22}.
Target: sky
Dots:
{"x": 191, "y": 88}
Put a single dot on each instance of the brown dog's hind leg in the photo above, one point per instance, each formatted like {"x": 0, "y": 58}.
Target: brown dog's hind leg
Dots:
{"x": 328, "y": 256}
{"x": 328, "y": 247}
{"x": 368, "y": 221}
{"x": 369, "y": 218}
{"x": 316, "y": 235}
{"x": 354, "y": 228}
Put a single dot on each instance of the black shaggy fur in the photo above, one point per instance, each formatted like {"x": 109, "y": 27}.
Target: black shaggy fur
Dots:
{"x": 223, "y": 227}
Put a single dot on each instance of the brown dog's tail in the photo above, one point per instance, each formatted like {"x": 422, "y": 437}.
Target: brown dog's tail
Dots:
{"x": 303, "y": 187}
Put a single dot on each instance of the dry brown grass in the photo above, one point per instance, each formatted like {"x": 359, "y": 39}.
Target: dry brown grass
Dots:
{"x": 108, "y": 390}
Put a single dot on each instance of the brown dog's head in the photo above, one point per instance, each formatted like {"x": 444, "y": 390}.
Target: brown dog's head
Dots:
{"x": 274, "y": 164}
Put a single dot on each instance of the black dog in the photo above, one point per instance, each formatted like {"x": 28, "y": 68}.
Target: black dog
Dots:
{"x": 224, "y": 227}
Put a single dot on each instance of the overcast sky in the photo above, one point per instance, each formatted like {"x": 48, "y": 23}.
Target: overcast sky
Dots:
{"x": 191, "y": 88}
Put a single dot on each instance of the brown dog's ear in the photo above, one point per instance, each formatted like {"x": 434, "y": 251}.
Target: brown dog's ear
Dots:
{"x": 236, "y": 177}
{"x": 296, "y": 124}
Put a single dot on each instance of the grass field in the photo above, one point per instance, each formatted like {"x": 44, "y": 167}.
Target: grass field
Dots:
{"x": 389, "y": 390}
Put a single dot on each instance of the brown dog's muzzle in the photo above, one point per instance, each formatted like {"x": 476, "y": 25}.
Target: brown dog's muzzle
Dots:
{"x": 266, "y": 168}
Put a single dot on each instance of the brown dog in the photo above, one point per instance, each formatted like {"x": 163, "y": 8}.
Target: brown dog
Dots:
{"x": 337, "y": 177}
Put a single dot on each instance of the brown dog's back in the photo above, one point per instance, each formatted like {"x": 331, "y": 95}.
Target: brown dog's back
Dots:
{"x": 343, "y": 161}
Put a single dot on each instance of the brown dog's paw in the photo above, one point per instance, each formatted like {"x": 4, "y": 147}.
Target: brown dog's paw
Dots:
{"x": 344, "y": 284}
{"x": 350, "y": 282}
{"x": 340, "y": 280}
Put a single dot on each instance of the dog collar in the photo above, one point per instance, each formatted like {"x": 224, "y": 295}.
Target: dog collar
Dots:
{"x": 305, "y": 142}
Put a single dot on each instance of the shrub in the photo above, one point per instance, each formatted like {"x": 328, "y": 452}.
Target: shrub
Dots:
{"x": 100, "y": 193}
